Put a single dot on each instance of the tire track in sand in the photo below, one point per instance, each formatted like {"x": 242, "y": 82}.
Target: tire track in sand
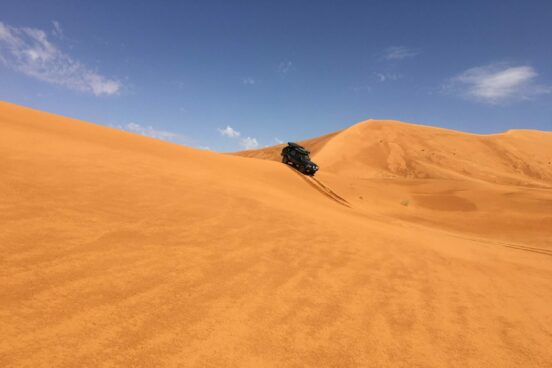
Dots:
{"x": 323, "y": 189}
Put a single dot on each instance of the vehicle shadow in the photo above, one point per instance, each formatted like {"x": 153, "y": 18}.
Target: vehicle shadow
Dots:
{"x": 320, "y": 187}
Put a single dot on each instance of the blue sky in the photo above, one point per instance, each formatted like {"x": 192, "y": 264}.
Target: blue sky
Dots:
{"x": 242, "y": 74}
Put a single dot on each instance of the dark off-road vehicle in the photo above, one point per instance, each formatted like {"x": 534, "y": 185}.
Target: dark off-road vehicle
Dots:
{"x": 298, "y": 157}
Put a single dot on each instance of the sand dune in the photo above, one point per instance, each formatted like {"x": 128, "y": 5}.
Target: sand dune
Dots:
{"x": 495, "y": 185}
{"x": 413, "y": 246}
{"x": 392, "y": 149}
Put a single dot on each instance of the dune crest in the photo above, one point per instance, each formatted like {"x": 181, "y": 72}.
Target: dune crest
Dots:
{"x": 389, "y": 149}
{"x": 413, "y": 246}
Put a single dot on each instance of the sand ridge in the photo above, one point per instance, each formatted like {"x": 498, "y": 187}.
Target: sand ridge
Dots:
{"x": 393, "y": 149}
{"x": 121, "y": 250}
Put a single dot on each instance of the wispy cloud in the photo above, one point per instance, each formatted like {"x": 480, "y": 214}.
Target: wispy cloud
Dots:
{"x": 278, "y": 140}
{"x": 399, "y": 53}
{"x": 382, "y": 77}
{"x": 28, "y": 50}
{"x": 229, "y": 132}
{"x": 57, "y": 31}
{"x": 245, "y": 143}
{"x": 249, "y": 143}
{"x": 248, "y": 81}
{"x": 285, "y": 67}
{"x": 150, "y": 131}
{"x": 497, "y": 83}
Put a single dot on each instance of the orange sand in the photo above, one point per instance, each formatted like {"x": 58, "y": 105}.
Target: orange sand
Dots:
{"x": 412, "y": 247}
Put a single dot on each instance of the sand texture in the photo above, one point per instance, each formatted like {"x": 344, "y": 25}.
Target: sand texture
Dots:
{"x": 413, "y": 246}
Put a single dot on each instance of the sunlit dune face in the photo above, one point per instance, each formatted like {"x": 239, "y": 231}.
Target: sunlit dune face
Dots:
{"x": 412, "y": 246}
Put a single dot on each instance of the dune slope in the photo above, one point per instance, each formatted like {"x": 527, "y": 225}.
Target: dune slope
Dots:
{"x": 120, "y": 250}
{"x": 496, "y": 185}
{"x": 393, "y": 149}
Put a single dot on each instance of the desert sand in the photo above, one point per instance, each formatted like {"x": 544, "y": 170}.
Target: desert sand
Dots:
{"x": 413, "y": 246}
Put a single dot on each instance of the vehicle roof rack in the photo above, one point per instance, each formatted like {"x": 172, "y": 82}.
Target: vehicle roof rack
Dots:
{"x": 299, "y": 147}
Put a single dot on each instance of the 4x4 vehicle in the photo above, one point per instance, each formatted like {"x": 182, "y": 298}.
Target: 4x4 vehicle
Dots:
{"x": 298, "y": 157}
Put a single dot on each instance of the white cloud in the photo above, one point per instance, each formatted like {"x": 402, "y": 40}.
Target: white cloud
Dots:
{"x": 248, "y": 81}
{"x": 229, "y": 132}
{"x": 399, "y": 53}
{"x": 249, "y": 143}
{"x": 278, "y": 140}
{"x": 382, "y": 77}
{"x": 245, "y": 143}
{"x": 57, "y": 31}
{"x": 285, "y": 67}
{"x": 498, "y": 83}
{"x": 28, "y": 50}
{"x": 149, "y": 131}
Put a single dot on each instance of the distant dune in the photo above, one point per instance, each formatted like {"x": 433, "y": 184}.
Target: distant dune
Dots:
{"x": 393, "y": 149}
{"x": 413, "y": 246}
